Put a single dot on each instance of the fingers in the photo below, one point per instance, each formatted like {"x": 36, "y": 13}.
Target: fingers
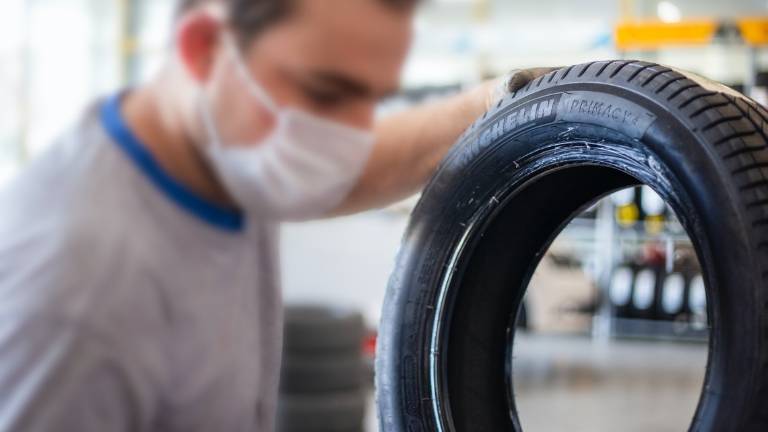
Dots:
{"x": 519, "y": 79}
{"x": 498, "y": 89}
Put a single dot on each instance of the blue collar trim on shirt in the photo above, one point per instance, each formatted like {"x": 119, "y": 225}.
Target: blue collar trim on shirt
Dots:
{"x": 116, "y": 127}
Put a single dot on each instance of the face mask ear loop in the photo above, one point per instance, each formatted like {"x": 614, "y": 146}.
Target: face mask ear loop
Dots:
{"x": 254, "y": 88}
{"x": 207, "y": 117}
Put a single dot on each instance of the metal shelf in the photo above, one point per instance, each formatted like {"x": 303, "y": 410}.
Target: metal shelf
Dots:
{"x": 659, "y": 330}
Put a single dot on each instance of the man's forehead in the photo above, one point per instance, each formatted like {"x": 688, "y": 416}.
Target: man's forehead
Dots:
{"x": 363, "y": 45}
{"x": 354, "y": 22}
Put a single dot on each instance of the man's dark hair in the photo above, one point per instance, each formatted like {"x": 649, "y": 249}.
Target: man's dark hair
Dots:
{"x": 249, "y": 17}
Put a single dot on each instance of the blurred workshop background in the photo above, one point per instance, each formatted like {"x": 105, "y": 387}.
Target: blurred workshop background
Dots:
{"x": 615, "y": 332}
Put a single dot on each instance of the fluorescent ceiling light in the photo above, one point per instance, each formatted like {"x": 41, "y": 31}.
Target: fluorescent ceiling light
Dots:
{"x": 669, "y": 12}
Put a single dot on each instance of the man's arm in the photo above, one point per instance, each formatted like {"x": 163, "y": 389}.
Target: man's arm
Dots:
{"x": 411, "y": 144}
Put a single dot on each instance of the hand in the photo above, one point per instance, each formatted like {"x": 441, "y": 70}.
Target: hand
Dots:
{"x": 514, "y": 81}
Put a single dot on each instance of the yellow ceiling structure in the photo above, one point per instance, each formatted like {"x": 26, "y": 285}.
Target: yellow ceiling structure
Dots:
{"x": 653, "y": 35}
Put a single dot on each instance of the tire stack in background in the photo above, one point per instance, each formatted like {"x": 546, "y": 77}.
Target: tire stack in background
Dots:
{"x": 652, "y": 293}
{"x": 647, "y": 291}
{"x": 657, "y": 278}
{"x": 323, "y": 382}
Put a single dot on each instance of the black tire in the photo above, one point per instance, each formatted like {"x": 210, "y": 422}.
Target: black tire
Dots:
{"x": 332, "y": 412}
{"x": 511, "y": 184}
{"x": 319, "y": 374}
{"x": 318, "y": 329}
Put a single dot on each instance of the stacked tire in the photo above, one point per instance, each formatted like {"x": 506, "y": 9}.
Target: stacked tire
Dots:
{"x": 651, "y": 293}
{"x": 323, "y": 386}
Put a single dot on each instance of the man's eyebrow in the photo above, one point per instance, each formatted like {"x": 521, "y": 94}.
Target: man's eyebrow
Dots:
{"x": 349, "y": 84}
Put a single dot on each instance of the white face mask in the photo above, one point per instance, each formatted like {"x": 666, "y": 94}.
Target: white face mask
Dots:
{"x": 304, "y": 169}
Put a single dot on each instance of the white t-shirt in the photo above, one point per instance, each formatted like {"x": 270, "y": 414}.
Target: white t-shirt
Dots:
{"x": 127, "y": 303}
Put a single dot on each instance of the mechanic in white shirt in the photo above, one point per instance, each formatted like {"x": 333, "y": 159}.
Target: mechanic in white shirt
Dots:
{"x": 138, "y": 282}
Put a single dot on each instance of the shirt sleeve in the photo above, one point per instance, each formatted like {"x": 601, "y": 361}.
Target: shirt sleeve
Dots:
{"x": 56, "y": 376}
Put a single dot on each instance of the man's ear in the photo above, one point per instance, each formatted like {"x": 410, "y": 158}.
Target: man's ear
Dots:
{"x": 197, "y": 38}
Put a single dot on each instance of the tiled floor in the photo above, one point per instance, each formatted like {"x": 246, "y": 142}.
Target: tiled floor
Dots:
{"x": 577, "y": 385}
{"x": 574, "y": 384}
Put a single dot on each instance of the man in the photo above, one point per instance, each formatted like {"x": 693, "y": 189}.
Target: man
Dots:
{"x": 138, "y": 285}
